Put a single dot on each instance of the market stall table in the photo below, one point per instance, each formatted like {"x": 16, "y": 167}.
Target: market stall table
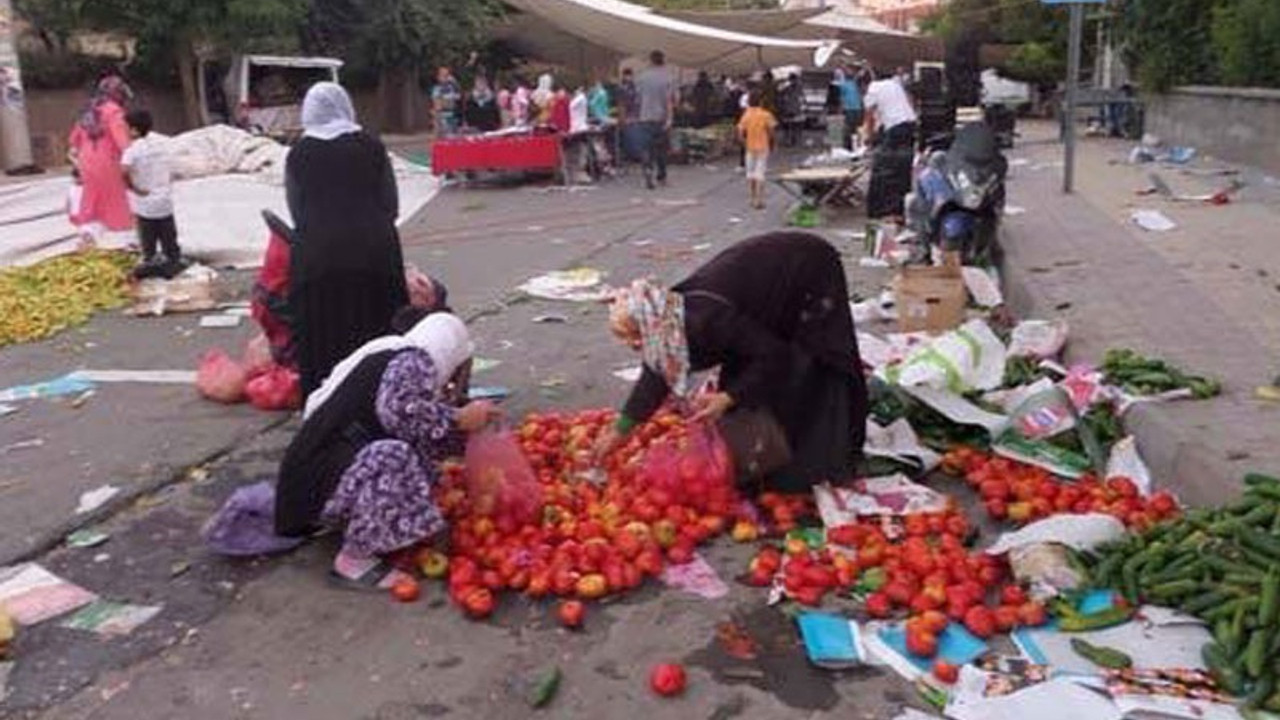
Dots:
{"x": 497, "y": 152}
{"x": 825, "y": 185}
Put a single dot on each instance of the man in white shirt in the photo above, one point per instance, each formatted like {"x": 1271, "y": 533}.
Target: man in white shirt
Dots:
{"x": 890, "y": 112}
{"x": 150, "y": 183}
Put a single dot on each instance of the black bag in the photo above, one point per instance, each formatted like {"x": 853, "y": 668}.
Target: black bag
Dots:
{"x": 756, "y": 441}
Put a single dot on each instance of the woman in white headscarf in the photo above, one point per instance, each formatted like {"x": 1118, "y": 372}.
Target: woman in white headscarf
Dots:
{"x": 367, "y": 454}
{"x": 346, "y": 268}
{"x": 543, "y": 97}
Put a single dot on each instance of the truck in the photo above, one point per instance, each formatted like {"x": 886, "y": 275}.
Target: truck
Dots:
{"x": 261, "y": 93}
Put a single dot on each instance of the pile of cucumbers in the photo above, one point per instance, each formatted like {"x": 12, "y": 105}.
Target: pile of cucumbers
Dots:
{"x": 1141, "y": 375}
{"x": 1223, "y": 566}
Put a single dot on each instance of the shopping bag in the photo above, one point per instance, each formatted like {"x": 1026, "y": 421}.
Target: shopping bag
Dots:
{"x": 500, "y": 482}
{"x": 278, "y": 388}
{"x": 220, "y": 378}
{"x": 694, "y": 470}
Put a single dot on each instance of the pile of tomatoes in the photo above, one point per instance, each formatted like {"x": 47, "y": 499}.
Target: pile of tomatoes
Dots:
{"x": 590, "y": 540}
{"x": 917, "y": 565}
{"x": 1022, "y": 493}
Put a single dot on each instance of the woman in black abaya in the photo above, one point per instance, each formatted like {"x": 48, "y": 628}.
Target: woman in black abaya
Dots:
{"x": 347, "y": 271}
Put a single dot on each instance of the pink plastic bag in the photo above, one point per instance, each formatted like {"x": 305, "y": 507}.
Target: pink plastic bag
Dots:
{"x": 276, "y": 389}
{"x": 220, "y": 378}
{"x": 257, "y": 356}
{"x": 500, "y": 482}
{"x": 695, "y": 470}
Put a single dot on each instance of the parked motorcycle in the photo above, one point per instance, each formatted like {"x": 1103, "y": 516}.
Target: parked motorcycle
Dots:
{"x": 958, "y": 195}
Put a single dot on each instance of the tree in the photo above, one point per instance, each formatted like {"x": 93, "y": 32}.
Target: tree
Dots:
{"x": 1246, "y": 42}
{"x": 1168, "y": 42}
{"x": 180, "y": 31}
{"x": 399, "y": 40}
{"x": 1038, "y": 31}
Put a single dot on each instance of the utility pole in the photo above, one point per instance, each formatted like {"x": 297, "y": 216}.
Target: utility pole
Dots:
{"x": 1073, "y": 81}
{"x": 15, "y": 135}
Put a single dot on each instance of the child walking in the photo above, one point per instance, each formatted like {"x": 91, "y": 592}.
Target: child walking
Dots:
{"x": 150, "y": 183}
{"x": 756, "y": 128}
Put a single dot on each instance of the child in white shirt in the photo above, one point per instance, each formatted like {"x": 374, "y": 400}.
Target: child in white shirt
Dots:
{"x": 150, "y": 183}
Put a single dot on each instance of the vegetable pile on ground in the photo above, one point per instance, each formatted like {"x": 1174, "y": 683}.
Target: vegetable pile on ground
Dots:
{"x": 42, "y": 299}
{"x": 1149, "y": 376}
{"x": 1222, "y": 566}
{"x": 585, "y": 541}
{"x": 1022, "y": 493}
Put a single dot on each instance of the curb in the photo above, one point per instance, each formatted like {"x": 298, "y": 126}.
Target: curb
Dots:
{"x": 1177, "y": 460}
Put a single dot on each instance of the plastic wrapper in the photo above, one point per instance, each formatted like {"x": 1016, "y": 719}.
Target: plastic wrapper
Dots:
{"x": 220, "y": 378}
{"x": 500, "y": 482}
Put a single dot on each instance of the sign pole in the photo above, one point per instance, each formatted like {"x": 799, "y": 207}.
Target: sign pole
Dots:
{"x": 1073, "y": 79}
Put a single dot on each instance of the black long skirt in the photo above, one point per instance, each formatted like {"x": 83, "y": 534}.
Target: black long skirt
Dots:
{"x": 338, "y": 314}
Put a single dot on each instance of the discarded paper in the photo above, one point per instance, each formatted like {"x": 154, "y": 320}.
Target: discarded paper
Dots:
{"x": 108, "y": 618}
{"x": 1152, "y": 220}
{"x": 32, "y": 594}
{"x": 96, "y": 498}
{"x": 579, "y": 285}
{"x": 696, "y": 577}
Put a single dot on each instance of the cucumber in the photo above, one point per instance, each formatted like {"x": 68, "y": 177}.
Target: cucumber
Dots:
{"x": 1106, "y": 657}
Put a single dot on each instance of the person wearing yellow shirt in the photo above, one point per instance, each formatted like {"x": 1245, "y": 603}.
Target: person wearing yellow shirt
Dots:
{"x": 756, "y": 129}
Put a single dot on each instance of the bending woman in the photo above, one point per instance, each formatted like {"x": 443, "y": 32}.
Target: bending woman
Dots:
{"x": 367, "y": 454}
{"x": 773, "y": 313}
{"x": 346, "y": 268}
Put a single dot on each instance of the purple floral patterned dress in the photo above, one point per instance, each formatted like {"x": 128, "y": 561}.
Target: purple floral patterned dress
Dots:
{"x": 384, "y": 496}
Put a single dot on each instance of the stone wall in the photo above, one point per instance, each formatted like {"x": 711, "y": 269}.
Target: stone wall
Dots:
{"x": 1240, "y": 125}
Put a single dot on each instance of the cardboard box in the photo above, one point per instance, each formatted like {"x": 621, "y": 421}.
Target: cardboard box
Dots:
{"x": 931, "y": 299}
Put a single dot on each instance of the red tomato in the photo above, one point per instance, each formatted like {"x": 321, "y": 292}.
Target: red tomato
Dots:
{"x": 1013, "y": 595}
{"x": 980, "y": 621}
{"x": 878, "y": 605}
{"x": 900, "y": 593}
{"x": 571, "y": 613}
{"x": 667, "y": 679}
{"x": 934, "y": 621}
{"x": 945, "y": 672}
{"x": 405, "y": 590}
{"x": 478, "y": 603}
{"x": 921, "y": 642}
{"x": 1006, "y": 618}
{"x": 1163, "y": 504}
{"x": 1032, "y": 614}
{"x": 1122, "y": 486}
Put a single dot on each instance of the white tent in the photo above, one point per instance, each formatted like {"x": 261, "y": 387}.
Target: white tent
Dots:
{"x": 635, "y": 30}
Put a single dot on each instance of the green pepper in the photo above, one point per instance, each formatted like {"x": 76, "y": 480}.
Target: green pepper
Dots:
{"x": 1204, "y": 601}
{"x": 1095, "y": 621}
{"x": 1101, "y": 656}
{"x": 1167, "y": 591}
{"x": 1269, "y": 600}
{"x": 1255, "y": 653}
{"x": 545, "y": 689}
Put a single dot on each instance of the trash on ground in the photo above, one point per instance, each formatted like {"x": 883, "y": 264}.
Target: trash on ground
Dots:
{"x": 688, "y": 202}
{"x": 697, "y": 577}
{"x": 87, "y": 538}
{"x": 551, "y": 318}
{"x": 1014, "y": 210}
{"x": 871, "y": 262}
{"x": 31, "y": 594}
{"x": 1148, "y": 644}
{"x": 1046, "y": 569}
{"x": 1038, "y": 338}
{"x": 957, "y": 409}
{"x": 1140, "y": 375}
{"x": 971, "y": 357}
{"x": 889, "y": 495}
{"x": 484, "y": 364}
{"x": 488, "y": 392}
{"x": 1058, "y": 698}
{"x": 29, "y": 444}
{"x": 1169, "y": 691}
{"x": 830, "y": 641}
{"x": 736, "y": 641}
{"x": 1125, "y": 461}
{"x": 221, "y": 378}
{"x": 578, "y": 285}
{"x": 898, "y": 441}
{"x": 192, "y": 291}
{"x": 700, "y": 247}
{"x": 65, "y": 385}
{"x": 629, "y": 374}
{"x": 111, "y": 619}
{"x": 1152, "y": 220}
{"x": 221, "y": 320}
{"x": 245, "y": 524}
{"x": 956, "y": 645}
{"x": 1081, "y": 532}
{"x": 93, "y": 499}
{"x": 984, "y": 286}
{"x": 7, "y": 409}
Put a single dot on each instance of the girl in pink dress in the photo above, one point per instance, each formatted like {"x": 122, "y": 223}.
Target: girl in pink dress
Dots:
{"x": 97, "y": 141}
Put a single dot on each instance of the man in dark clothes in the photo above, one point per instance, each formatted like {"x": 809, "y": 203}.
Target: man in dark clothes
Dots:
{"x": 773, "y": 313}
{"x": 346, "y": 269}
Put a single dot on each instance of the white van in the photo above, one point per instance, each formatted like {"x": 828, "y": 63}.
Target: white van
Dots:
{"x": 261, "y": 93}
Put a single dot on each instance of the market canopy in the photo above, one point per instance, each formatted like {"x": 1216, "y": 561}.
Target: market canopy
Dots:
{"x": 632, "y": 29}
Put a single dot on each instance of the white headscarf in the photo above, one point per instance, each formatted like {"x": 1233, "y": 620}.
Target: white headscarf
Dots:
{"x": 443, "y": 336}
{"x": 327, "y": 112}
{"x": 542, "y": 95}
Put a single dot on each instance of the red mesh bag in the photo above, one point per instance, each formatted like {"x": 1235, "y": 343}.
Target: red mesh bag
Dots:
{"x": 694, "y": 469}
{"x": 220, "y": 378}
{"x": 500, "y": 482}
{"x": 276, "y": 389}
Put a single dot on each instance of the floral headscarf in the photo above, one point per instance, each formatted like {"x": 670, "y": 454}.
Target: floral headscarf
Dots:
{"x": 658, "y": 314}
{"x": 112, "y": 88}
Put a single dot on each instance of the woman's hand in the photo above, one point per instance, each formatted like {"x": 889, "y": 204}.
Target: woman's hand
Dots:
{"x": 710, "y": 406}
{"x": 476, "y": 414}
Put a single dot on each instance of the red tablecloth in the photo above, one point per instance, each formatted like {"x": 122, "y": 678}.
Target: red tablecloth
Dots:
{"x": 512, "y": 152}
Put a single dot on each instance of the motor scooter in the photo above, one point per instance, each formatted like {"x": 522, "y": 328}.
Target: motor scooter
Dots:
{"x": 958, "y": 195}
